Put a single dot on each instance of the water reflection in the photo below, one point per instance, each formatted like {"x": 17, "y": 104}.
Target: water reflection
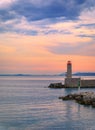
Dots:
{"x": 25, "y": 104}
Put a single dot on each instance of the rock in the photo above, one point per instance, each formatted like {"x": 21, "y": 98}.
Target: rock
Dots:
{"x": 93, "y": 104}
{"x": 78, "y": 98}
{"x": 85, "y": 98}
{"x": 68, "y": 97}
{"x": 56, "y": 85}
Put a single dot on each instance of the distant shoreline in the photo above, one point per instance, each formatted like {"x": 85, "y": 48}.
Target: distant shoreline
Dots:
{"x": 19, "y": 75}
{"x": 62, "y": 74}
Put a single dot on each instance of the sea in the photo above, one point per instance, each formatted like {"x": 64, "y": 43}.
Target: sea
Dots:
{"x": 26, "y": 103}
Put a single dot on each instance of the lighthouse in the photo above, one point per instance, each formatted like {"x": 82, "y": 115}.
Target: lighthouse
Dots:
{"x": 69, "y": 80}
{"x": 69, "y": 69}
{"x": 76, "y": 82}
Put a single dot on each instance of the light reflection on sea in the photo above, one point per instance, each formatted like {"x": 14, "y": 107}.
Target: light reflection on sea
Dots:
{"x": 26, "y": 103}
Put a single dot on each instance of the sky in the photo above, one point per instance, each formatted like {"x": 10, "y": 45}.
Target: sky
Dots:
{"x": 40, "y": 36}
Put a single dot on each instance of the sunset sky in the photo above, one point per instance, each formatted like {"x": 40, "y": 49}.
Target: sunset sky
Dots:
{"x": 40, "y": 36}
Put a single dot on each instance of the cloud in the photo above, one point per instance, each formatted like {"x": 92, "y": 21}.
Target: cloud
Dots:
{"x": 88, "y": 36}
{"x": 6, "y": 3}
{"x": 40, "y": 17}
{"x": 82, "y": 49}
{"x": 41, "y": 9}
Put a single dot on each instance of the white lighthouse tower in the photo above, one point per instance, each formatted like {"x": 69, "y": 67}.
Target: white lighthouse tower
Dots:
{"x": 69, "y": 69}
{"x": 69, "y": 80}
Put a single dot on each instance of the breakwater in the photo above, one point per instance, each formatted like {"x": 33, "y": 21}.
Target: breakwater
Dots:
{"x": 74, "y": 83}
{"x": 88, "y": 83}
{"x": 78, "y": 82}
{"x": 85, "y": 98}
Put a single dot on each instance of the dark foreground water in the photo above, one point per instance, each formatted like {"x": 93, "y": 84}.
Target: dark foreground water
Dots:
{"x": 27, "y": 104}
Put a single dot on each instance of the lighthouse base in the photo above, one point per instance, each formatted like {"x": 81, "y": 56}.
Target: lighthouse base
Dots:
{"x": 72, "y": 82}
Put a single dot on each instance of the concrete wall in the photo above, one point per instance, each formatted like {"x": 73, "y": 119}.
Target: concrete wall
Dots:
{"x": 88, "y": 83}
{"x": 74, "y": 82}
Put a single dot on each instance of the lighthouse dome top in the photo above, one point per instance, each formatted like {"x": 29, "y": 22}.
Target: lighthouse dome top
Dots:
{"x": 69, "y": 62}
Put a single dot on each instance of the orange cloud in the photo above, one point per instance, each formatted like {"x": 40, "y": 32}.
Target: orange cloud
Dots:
{"x": 29, "y": 54}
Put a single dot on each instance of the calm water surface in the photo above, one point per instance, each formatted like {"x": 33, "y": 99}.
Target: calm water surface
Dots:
{"x": 26, "y": 103}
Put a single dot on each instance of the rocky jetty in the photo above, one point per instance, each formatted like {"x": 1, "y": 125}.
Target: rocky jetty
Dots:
{"x": 85, "y": 98}
{"x": 56, "y": 85}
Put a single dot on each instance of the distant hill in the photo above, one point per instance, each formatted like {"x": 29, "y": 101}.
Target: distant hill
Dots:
{"x": 62, "y": 74}
{"x": 80, "y": 74}
{"x": 84, "y": 74}
{"x": 15, "y": 75}
{"x": 18, "y": 75}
